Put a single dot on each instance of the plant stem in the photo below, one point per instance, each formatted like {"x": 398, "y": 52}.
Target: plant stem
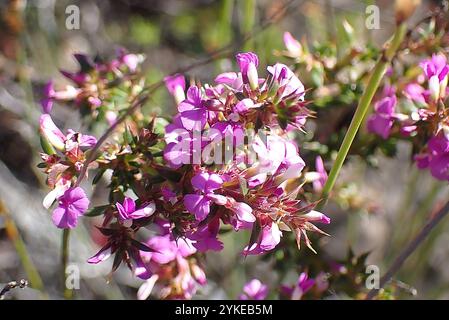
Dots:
{"x": 68, "y": 293}
{"x": 248, "y": 9}
{"x": 30, "y": 269}
{"x": 362, "y": 108}
{"x": 412, "y": 246}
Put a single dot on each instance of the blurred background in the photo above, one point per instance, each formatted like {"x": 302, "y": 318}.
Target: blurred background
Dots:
{"x": 378, "y": 210}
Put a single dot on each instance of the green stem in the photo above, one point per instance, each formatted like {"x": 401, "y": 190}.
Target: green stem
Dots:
{"x": 68, "y": 293}
{"x": 247, "y": 21}
{"x": 362, "y": 108}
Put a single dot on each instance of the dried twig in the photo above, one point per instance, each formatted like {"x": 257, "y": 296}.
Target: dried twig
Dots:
{"x": 22, "y": 284}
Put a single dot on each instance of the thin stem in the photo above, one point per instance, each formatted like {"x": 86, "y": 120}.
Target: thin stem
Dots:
{"x": 68, "y": 293}
{"x": 362, "y": 108}
{"x": 412, "y": 246}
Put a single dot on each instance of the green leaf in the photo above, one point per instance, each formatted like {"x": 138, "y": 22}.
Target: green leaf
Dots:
{"x": 96, "y": 211}
{"x": 46, "y": 146}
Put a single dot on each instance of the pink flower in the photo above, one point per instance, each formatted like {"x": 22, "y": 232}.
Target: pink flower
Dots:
{"x": 269, "y": 239}
{"x": 72, "y": 204}
{"x": 176, "y": 85}
{"x": 436, "y": 70}
{"x": 231, "y": 79}
{"x": 47, "y": 101}
{"x": 248, "y": 62}
{"x": 127, "y": 211}
{"x": 293, "y": 46}
{"x": 206, "y": 237}
{"x": 417, "y": 93}
{"x": 303, "y": 285}
{"x": 57, "y": 139}
{"x": 199, "y": 204}
{"x": 254, "y": 290}
{"x": 193, "y": 111}
{"x": 49, "y": 130}
{"x": 436, "y": 158}
{"x": 382, "y": 120}
{"x": 319, "y": 183}
{"x": 435, "y": 66}
{"x": 287, "y": 82}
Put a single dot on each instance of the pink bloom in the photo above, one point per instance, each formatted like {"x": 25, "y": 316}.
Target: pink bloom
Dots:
{"x": 435, "y": 66}
{"x": 72, "y": 204}
{"x": 436, "y": 158}
{"x": 231, "y": 79}
{"x": 254, "y": 290}
{"x": 57, "y": 139}
{"x": 382, "y": 120}
{"x": 417, "y": 93}
{"x": 127, "y": 211}
{"x": 206, "y": 237}
{"x": 269, "y": 239}
{"x": 287, "y": 81}
{"x": 47, "y": 101}
{"x": 303, "y": 285}
{"x": 50, "y": 131}
{"x": 247, "y": 61}
{"x": 199, "y": 204}
{"x": 193, "y": 111}
{"x": 293, "y": 46}
{"x": 176, "y": 85}
{"x": 319, "y": 183}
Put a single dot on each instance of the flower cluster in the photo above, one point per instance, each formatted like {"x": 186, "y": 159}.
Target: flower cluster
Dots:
{"x": 96, "y": 85}
{"x": 63, "y": 158}
{"x": 256, "y": 290}
{"x": 176, "y": 181}
{"x": 424, "y": 117}
{"x": 257, "y": 193}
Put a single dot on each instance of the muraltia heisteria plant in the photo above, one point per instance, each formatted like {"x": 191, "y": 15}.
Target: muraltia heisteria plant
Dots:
{"x": 225, "y": 160}
{"x": 228, "y": 160}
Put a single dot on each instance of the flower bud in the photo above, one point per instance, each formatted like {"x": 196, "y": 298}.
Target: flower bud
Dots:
{"x": 405, "y": 9}
{"x": 51, "y": 133}
{"x": 293, "y": 46}
{"x": 253, "y": 77}
{"x": 434, "y": 88}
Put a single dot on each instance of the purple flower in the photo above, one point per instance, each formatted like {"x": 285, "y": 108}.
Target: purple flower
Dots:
{"x": 269, "y": 239}
{"x": 254, "y": 290}
{"x": 206, "y": 239}
{"x": 77, "y": 77}
{"x": 248, "y": 62}
{"x": 286, "y": 82}
{"x": 176, "y": 85}
{"x": 436, "y": 70}
{"x": 435, "y": 66}
{"x": 416, "y": 93}
{"x": 303, "y": 285}
{"x": 193, "y": 111}
{"x": 231, "y": 79}
{"x": 51, "y": 132}
{"x": 72, "y": 204}
{"x": 436, "y": 158}
{"x": 321, "y": 179}
{"x": 382, "y": 120}
{"x": 127, "y": 211}
{"x": 199, "y": 204}
{"x": 47, "y": 101}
